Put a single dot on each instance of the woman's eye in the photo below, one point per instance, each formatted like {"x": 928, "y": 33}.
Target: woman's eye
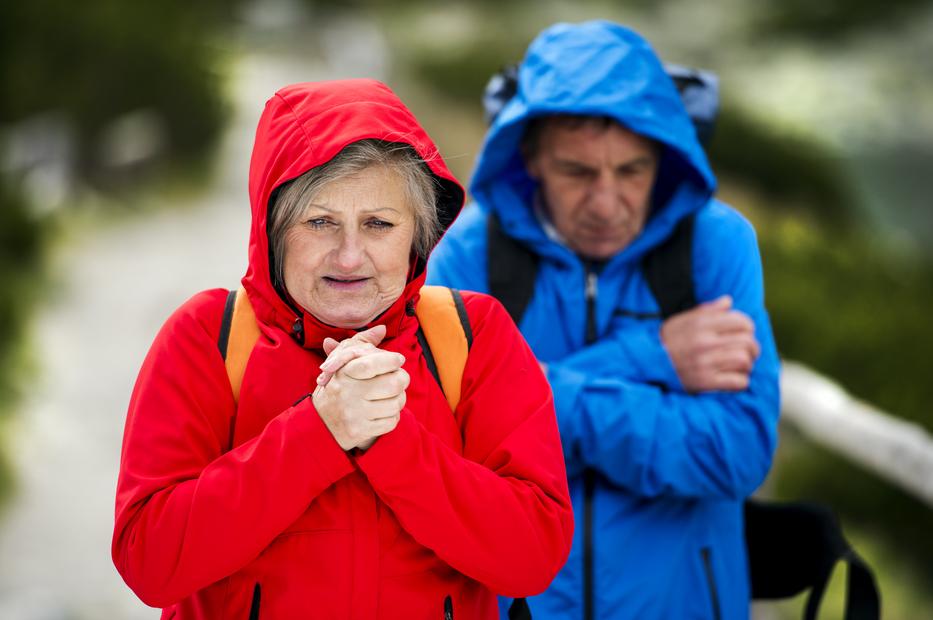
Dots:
{"x": 318, "y": 223}
{"x": 380, "y": 224}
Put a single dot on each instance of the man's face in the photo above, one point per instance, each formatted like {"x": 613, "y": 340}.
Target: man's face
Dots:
{"x": 596, "y": 182}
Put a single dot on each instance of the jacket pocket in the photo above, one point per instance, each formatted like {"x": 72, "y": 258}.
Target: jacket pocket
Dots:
{"x": 254, "y": 606}
{"x": 706, "y": 554}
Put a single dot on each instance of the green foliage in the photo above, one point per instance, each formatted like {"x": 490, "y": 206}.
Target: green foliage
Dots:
{"x": 831, "y": 19}
{"x": 106, "y": 58}
{"x": 88, "y": 65}
{"x": 22, "y": 239}
{"x": 844, "y": 305}
{"x": 786, "y": 168}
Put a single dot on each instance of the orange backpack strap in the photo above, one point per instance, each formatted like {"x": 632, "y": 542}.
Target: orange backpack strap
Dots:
{"x": 444, "y": 334}
{"x": 445, "y": 337}
{"x": 239, "y": 332}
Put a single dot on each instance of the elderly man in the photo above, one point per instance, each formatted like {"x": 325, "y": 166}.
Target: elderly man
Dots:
{"x": 641, "y": 295}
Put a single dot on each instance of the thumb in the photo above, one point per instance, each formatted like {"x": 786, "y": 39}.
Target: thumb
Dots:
{"x": 373, "y": 335}
{"x": 329, "y": 345}
{"x": 724, "y": 302}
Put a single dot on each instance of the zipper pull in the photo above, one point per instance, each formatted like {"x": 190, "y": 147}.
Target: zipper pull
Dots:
{"x": 448, "y": 608}
{"x": 592, "y": 285}
{"x": 298, "y": 330}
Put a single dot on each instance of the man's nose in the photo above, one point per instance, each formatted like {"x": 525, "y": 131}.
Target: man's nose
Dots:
{"x": 603, "y": 196}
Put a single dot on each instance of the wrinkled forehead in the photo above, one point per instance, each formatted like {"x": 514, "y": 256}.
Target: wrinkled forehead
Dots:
{"x": 582, "y": 136}
{"x": 376, "y": 187}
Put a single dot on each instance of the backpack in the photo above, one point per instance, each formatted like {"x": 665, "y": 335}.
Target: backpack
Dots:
{"x": 444, "y": 334}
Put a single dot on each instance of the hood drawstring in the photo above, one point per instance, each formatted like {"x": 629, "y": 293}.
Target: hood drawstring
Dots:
{"x": 298, "y": 330}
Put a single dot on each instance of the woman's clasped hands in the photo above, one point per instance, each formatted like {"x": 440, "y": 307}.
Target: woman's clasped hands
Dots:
{"x": 361, "y": 389}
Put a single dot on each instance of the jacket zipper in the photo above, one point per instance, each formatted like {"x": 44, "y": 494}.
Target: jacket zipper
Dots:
{"x": 711, "y": 581}
{"x": 592, "y": 287}
{"x": 254, "y": 606}
{"x": 589, "y": 475}
{"x": 448, "y": 608}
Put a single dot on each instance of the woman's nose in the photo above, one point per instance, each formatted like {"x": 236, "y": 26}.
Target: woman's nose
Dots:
{"x": 349, "y": 254}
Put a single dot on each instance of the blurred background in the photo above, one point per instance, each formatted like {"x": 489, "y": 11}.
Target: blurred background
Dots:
{"x": 125, "y": 131}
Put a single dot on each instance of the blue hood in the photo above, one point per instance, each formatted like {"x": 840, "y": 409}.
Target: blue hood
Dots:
{"x": 595, "y": 68}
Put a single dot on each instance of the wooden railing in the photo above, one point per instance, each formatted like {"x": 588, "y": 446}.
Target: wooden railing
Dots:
{"x": 899, "y": 451}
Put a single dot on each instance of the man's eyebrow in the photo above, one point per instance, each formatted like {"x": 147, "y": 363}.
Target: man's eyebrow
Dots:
{"x": 638, "y": 161}
{"x": 571, "y": 163}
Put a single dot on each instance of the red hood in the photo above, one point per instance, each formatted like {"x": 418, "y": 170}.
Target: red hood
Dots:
{"x": 306, "y": 125}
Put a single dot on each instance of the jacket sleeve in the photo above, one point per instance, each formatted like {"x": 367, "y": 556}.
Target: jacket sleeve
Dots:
{"x": 500, "y": 513}
{"x": 188, "y": 512}
{"x": 641, "y": 431}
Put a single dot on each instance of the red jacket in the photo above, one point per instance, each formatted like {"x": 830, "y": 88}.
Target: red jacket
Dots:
{"x": 220, "y": 504}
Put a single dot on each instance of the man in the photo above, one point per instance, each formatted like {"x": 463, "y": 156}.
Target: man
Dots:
{"x": 667, "y": 423}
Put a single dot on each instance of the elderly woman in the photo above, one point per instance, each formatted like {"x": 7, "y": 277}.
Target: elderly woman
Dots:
{"x": 336, "y": 482}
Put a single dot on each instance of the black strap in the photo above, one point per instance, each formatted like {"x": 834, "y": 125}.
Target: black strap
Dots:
{"x": 254, "y": 606}
{"x": 668, "y": 268}
{"x": 224, "y": 337}
{"x": 511, "y": 268}
{"x": 519, "y": 610}
{"x": 463, "y": 316}
{"x": 429, "y": 357}
{"x": 793, "y": 546}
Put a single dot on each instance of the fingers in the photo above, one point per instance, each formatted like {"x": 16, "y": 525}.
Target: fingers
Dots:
{"x": 729, "y": 359}
{"x": 719, "y": 304}
{"x": 732, "y": 382}
{"x": 386, "y": 408}
{"x": 727, "y": 322}
{"x": 339, "y": 353}
{"x": 373, "y": 335}
{"x": 339, "y": 358}
{"x": 373, "y": 364}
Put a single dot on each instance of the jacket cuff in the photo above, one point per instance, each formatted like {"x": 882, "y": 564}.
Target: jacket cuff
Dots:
{"x": 644, "y": 350}
{"x": 391, "y": 450}
{"x": 333, "y": 462}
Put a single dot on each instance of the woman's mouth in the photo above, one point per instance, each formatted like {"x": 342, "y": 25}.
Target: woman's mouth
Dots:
{"x": 345, "y": 283}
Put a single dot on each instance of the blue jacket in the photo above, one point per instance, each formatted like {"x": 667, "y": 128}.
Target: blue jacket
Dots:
{"x": 672, "y": 468}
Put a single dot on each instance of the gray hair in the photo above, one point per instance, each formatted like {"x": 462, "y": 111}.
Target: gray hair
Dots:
{"x": 531, "y": 139}
{"x": 420, "y": 189}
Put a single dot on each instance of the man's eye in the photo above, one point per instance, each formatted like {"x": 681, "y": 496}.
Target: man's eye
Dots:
{"x": 633, "y": 170}
{"x": 578, "y": 173}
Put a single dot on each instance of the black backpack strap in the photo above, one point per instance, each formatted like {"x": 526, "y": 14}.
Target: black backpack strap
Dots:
{"x": 512, "y": 269}
{"x": 429, "y": 357}
{"x": 224, "y": 337}
{"x": 519, "y": 610}
{"x": 463, "y": 316}
{"x": 668, "y": 268}
{"x": 794, "y": 546}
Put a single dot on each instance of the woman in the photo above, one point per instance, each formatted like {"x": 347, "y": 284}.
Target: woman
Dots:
{"x": 352, "y": 490}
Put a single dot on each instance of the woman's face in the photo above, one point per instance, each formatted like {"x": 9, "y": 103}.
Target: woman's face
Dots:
{"x": 347, "y": 258}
